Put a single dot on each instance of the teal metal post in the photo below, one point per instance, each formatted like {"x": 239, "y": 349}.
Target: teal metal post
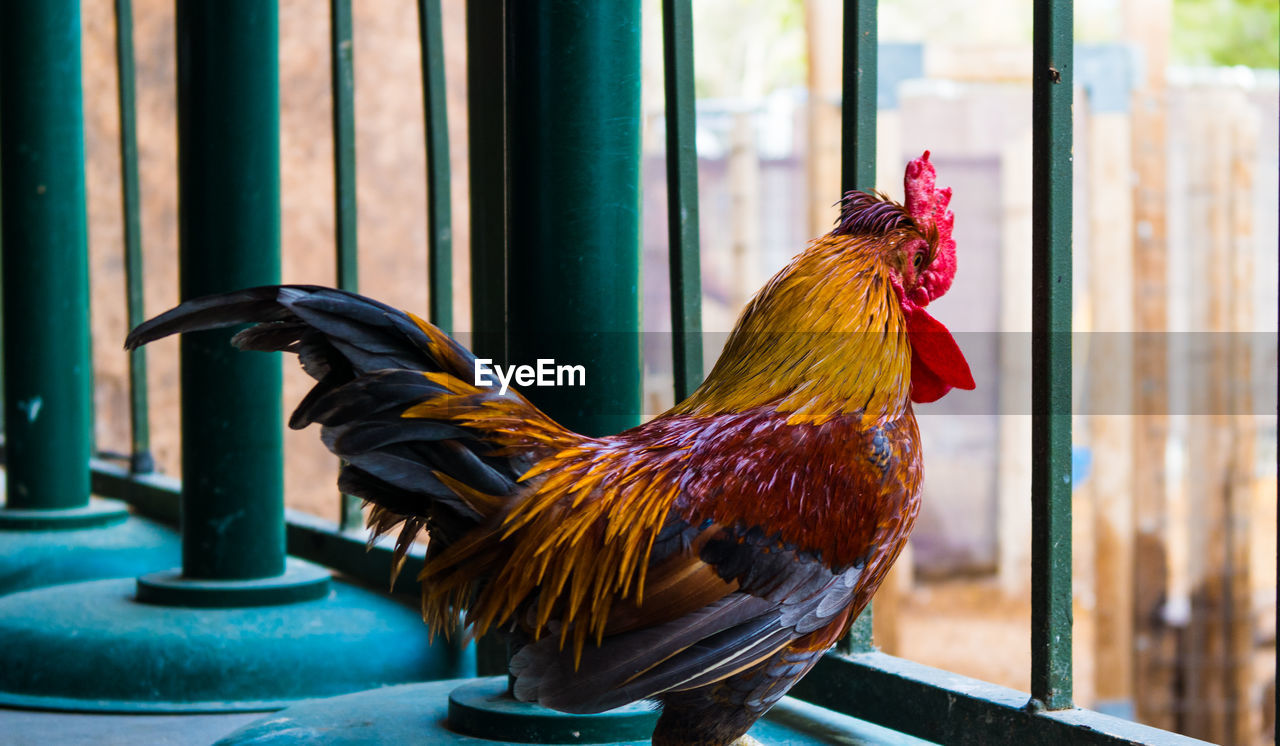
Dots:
{"x": 486, "y": 158}
{"x": 1051, "y": 356}
{"x": 858, "y": 167}
{"x": 683, "y": 258}
{"x": 347, "y": 266}
{"x": 858, "y": 102}
{"x": 439, "y": 210}
{"x": 487, "y": 146}
{"x": 343, "y": 87}
{"x": 239, "y": 627}
{"x": 140, "y": 459}
{"x": 46, "y": 264}
{"x": 574, "y": 156}
{"x": 51, "y": 532}
{"x": 229, "y": 238}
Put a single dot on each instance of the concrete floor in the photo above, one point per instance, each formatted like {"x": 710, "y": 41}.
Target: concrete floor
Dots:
{"x": 39, "y": 728}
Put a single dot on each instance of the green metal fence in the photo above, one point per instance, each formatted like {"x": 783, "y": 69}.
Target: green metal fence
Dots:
{"x": 514, "y": 206}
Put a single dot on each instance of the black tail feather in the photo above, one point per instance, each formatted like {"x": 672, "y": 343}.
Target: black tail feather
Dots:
{"x": 254, "y": 305}
{"x": 371, "y": 434}
{"x": 368, "y": 360}
{"x": 386, "y": 391}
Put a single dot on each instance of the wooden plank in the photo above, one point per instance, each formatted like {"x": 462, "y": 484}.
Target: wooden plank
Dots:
{"x": 1147, "y": 24}
{"x": 1202, "y": 649}
{"x": 1216, "y": 651}
{"x": 744, "y": 207}
{"x": 1013, "y": 479}
{"x": 1110, "y": 426}
{"x": 979, "y": 63}
{"x": 823, "y": 33}
{"x": 1244, "y": 719}
{"x": 886, "y": 629}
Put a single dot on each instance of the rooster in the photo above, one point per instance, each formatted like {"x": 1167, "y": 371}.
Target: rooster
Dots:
{"x": 705, "y": 559}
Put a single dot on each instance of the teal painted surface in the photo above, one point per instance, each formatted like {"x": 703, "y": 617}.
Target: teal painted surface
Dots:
{"x": 683, "y": 244}
{"x": 858, "y": 111}
{"x": 91, "y": 646}
{"x": 140, "y": 458}
{"x": 418, "y": 713}
{"x": 949, "y": 708}
{"x": 126, "y": 547}
{"x": 34, "y": 727}
{"x": 439, "y": 202}
{"x": 229, "y": 233}
{"x": 574, "y": 155}
{"x": 47, "y": 403}
{"x": 1051, "y": 466}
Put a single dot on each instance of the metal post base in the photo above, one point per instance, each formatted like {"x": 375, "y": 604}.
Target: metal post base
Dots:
{"x": 301, "y": 581}
{"x": 46, "y": 547}
{"x": 95, "y": 647}
{"x": 429, "y": 713}
{"x": 482, "y": 708}
{"x": 99, "y": 512}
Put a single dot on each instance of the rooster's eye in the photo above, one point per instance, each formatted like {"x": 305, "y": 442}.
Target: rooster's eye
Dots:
{"x": 918, "y": 261}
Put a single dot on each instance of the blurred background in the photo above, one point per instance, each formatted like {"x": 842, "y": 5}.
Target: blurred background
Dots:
{"x": 1175, "y": 246}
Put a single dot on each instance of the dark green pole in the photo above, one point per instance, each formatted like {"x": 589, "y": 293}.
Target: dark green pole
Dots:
{"x": 574, "y": 155}
{"x": 683, "y": 258}
{"x": 439, "y": 202}
{"x": 858, "y": 116}
{"x": 342, "y": 81}
{"x": 140, "y": 458}
{"x": 858, "y": 102}
{"x": 229, "y": 233}
{"x": 45, "y": 253}
{"x": 343, "y": 88}
{"x": 1051, "y": 355}
{"x": 486, "y": 157}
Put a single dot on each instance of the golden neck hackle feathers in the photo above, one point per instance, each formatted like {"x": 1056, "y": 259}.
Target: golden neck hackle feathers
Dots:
{"x": 825, "y": 337}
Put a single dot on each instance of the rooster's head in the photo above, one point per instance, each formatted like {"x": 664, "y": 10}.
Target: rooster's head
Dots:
{"x": 920, "y": 253}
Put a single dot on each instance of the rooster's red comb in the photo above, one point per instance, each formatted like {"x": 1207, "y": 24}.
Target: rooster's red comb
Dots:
{"x": 928, "y": 207}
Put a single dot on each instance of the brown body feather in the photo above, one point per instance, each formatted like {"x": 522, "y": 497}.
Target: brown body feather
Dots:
{"x": 705, "y": 558}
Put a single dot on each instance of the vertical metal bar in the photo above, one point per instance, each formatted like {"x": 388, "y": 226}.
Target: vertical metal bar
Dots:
{"x": 682, "y": 197}
{"x": 439, "y": 210}
{"x": 1051, "y": 356}
{"x": 858, "y": 103}
{"x": 342, "y": 82}
{"x": 487, "y": 153}
{"x": 574, "y": 77}
{"x": 487, "y": 159}
{"x": 45, "y": 252}
{"x": 140, "y": 459}
{"x": 229, "y": 237}
{"x": 858, "y": 166}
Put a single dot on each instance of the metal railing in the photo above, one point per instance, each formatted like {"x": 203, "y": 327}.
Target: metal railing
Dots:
{"x": 922, "y": 701}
